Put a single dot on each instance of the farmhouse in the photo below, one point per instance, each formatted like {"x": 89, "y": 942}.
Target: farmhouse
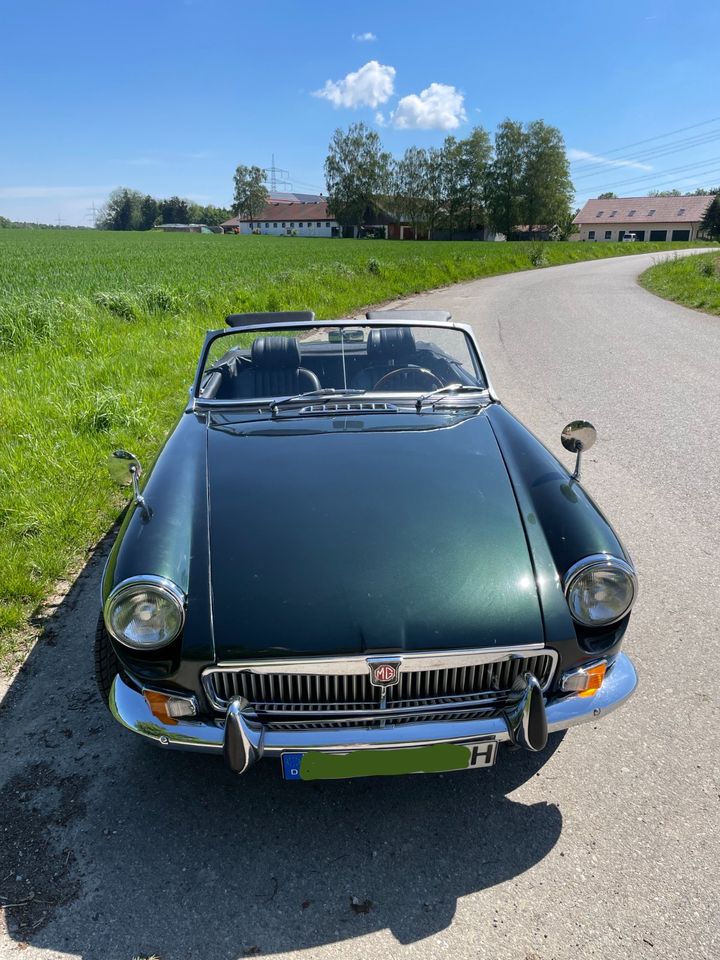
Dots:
{"x": 302, "y": 218}
{"x": 649, "y": 218}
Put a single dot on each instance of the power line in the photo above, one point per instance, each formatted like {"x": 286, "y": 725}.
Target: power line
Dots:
{"x": 304, "y": 183}
{"x": 641, "y": 178}
{"x": 666, "y": 150}
{"x": 660, "y": 136}
{"x": 659, "y": 185}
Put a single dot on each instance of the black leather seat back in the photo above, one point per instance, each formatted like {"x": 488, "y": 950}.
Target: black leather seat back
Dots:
{"x": 387, "y": 348}
{"x": 275, "y": 370}
{"x": 391, "y": 343}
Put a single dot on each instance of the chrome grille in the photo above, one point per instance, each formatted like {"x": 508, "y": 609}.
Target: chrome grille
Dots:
{"x": 344, "y": 695}
{"x": 386, "y": 720}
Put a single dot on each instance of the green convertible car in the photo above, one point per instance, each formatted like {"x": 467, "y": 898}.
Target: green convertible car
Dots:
{"x": 350, "y": 557}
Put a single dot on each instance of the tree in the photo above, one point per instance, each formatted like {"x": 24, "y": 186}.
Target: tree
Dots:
{"x": 608, "y": 196}
{"x": 665, "y": 193}
{"x": 147, "y": 213}
{"x": 505, "y": 181}
{"x": 122, "y": 210}
{"x": 357, "y": 171}
{"x": 5, "y": 223}
{"x": 706, "y": 192}
{"x": 250, "y": 195}
{"x": 409, "y": 191}
{"x": 475, "y": 159}
{"x": 174, "y": 210}
{"x": 436, "y": 186}
{"x": 710, "y": 224}
{"x": 466, "y": 176}
{"x": 210, "y": 215}
{"x": 546, "y": 189}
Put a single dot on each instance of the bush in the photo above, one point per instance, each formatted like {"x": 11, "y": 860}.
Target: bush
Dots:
{"x": 120, "y": 304}
{"x": 706, "y": 268}
{"x": 537, "y": 255}
{"x": 373, "y": 266}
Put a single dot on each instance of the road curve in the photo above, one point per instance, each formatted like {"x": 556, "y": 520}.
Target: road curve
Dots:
{"x": 607, "y": 848}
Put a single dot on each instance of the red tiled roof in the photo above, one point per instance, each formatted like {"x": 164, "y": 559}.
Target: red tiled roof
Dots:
{"x": 637, "y": 210}
{"x": 292, "y": 211}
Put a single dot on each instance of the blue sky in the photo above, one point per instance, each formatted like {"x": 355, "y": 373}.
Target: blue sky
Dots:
{"x": 167, "y": 96}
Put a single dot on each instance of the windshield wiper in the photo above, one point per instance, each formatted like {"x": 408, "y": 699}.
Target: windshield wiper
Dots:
{"x": 449, "y": 388}
{"x": 314, "y": 395}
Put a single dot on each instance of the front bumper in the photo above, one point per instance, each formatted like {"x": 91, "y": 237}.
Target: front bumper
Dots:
{"x": 244, "y": 741}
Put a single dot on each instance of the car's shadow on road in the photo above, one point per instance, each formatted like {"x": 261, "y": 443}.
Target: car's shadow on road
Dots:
{"x": 114, "y": 848}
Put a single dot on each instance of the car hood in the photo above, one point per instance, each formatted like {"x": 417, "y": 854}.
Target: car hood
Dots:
{"x": 388, "y": 533}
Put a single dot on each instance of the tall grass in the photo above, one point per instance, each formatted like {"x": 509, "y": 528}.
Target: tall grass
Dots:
{"x": 99, "y": 335}
{"x": 692, "y": 281}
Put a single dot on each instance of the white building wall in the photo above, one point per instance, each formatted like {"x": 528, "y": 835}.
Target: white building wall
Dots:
{"x": 601, "y": 227}
{"x": 302, "y": 228}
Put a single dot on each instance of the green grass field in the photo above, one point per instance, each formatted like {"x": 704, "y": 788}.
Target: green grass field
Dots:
{"x": 692, "y": 281}
{"x": 99, "y": 335}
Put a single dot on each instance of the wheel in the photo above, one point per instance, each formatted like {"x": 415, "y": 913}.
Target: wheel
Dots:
{"x": 409, "y": 373}
{"x": 106, "y": 663}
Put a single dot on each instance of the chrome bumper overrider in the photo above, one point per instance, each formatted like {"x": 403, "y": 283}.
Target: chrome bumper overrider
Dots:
{"x": 244, "y": 741}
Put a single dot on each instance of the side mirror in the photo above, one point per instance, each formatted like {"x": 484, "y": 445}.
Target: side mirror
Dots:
{"x": 124, "y": 468}
{"x": 578, "y": 436}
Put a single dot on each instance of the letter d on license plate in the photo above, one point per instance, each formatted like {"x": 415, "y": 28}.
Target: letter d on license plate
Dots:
{"x": 435, "y": 758}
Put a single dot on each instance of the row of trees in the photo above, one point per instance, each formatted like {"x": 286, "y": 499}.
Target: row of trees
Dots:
{"x": 6, "y": 224}
{"x": 130, "y": 210}
{"x": 521, "y": 176}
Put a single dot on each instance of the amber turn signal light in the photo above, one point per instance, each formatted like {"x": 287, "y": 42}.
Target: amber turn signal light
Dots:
{"x": 585, "y": 681}
{"x": 167, "y": 708}
{"x": 595, "y": 676}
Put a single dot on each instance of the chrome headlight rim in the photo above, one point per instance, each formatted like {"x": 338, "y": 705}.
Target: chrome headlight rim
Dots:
{"x": 161, "y": 585}
{"x": 608, "y": 562}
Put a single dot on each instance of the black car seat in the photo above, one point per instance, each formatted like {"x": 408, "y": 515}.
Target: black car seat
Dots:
{"x": 387, "y": 348}
{"x": 274, "y": 370}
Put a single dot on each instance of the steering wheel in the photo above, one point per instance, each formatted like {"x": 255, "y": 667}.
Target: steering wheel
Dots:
{"x": 407, "y": 372}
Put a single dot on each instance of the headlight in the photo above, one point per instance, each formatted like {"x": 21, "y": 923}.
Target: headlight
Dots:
{"x": 145, "y": 612}
{"x": 600, "y": 590}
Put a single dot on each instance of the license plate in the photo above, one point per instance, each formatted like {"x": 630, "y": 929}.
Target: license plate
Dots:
{"x": 384, "y": 762}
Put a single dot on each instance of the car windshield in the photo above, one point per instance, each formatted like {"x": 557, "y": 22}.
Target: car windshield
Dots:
{"x": 354, "y": 359}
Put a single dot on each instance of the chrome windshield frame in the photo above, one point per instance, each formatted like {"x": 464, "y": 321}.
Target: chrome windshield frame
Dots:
{"x": 199, "y": 403}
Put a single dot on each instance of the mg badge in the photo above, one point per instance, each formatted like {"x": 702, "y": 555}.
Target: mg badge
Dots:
{"x": 384, "y": 673}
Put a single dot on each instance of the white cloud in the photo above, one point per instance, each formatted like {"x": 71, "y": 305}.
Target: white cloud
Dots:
{"x": 438, "y": 107}
{"x": 584, "y": 155}
{"x": 380, "y": 119}
{"x": 364, "y": 37}
{"x": 369, "y": 86}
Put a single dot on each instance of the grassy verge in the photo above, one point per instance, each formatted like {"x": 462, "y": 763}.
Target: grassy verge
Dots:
{"x": 99, "y": 335}
{"x": 692, "y": 281}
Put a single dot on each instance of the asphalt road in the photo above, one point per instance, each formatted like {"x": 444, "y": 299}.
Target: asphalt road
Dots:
{"x": 607, "y": 847}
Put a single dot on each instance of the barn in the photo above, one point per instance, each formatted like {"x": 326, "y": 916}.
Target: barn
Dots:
{"x": 649, "y": 218}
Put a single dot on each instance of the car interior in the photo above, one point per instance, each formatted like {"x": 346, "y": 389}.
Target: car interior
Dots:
{"x": 389, "y": 360}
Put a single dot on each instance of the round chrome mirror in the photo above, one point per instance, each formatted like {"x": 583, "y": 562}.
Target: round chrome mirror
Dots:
{"x": 124, "y": 467}
{"x": 578, "y": 436}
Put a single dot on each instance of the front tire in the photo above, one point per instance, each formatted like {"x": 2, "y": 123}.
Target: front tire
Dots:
{"x": 107, "y": 666}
